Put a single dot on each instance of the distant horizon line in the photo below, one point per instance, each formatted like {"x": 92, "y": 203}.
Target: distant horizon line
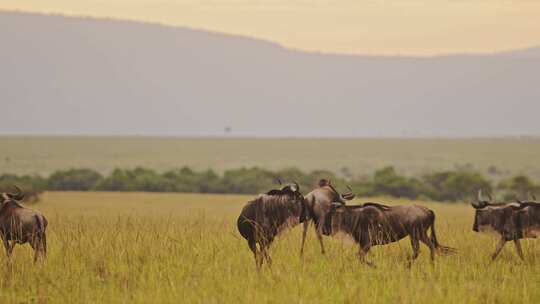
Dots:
{"x": 265, "y": 137}
{"x": 276, "y": 43}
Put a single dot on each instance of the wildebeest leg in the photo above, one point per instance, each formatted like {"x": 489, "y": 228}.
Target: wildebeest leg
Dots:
{"x": 37, "y": 245}
{"x": 9, "y": 247}
{"x": 415, "y": 243}
{"x": 500, "y": 246}
{"x": 44, "y": 244}
{"x": 266, "y": 256}
{"x": 318, "y": 230}
{"x": 253, "y": 246}
{"x": 518, "y": 249}
{"x": 426, "y": 240}
{"x": 362, "y": 255}
{"x": 304, "y": 233}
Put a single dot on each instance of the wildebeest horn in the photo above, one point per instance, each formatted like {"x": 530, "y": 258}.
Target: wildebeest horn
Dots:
{"x": 479, "y": 196}
{"x": 19, "y": 196}
{"x": 332, "y": 187}
{"x": 349, "y": 195}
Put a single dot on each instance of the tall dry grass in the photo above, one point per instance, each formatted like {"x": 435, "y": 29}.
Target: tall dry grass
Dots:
{"x": 184, "y": 248}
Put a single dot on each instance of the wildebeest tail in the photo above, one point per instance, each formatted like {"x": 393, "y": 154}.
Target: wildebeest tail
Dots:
{"x": 441, "y": 248}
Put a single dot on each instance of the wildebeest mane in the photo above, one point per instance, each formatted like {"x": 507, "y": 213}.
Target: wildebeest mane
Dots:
{"x": 274, "y": 200}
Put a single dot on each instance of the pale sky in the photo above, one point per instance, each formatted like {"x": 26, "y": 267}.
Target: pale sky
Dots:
{"x": 408, "y": 27}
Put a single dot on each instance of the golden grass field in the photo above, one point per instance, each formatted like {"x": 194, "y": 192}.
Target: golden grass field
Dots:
{"x": 361, "y": 156}
{"x": 184, "y": 248}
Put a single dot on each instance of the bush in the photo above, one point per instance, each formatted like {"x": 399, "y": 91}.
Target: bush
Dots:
{"x": 248, "y": 181}
{"x": 187, "y": 180}
{"x": 518, "y": 187}
{"x": 387, "y": 182}
{"x": 139, "y": 179}
{"x": 458, "y": 185}
{"x": 74, "y": 180}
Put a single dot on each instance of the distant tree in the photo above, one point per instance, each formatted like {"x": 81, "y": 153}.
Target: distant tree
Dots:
{"x": 387, "y": 182}
{"x": 461, "y": 185}
{"x": 74, "y": 180}
{"x": 519, "y": 187}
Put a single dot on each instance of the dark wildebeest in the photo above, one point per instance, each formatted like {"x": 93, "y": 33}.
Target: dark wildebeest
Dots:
{"x": 318, "y": 204}
{"x": 373, "y": 224}
{"x": 511, "y": 221}
{"x": 19, "y": 225}
{"x": 266, "y": 216}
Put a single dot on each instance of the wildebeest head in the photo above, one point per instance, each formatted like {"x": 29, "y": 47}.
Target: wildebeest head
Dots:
{"x": 7, "y": 196}
{"x": 497, "y": 217}
{"x": 337, "y": 197}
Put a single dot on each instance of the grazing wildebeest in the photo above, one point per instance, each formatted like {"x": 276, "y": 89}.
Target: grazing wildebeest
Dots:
{"x": 19, "y": 225}
{"x": 266, "y": 216}
{"x": 373, "y": 224}
{"x": 318, "y": 204}
{"x": 511, "y": 221}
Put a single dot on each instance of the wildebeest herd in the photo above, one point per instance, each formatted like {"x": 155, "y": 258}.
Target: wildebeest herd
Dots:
{"x": 371, "y": 224}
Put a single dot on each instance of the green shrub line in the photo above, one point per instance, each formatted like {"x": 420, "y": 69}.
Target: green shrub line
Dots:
{"x": 458, "y": 185}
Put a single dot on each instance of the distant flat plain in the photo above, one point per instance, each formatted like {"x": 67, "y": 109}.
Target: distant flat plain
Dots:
{"x": 43, "y": 155}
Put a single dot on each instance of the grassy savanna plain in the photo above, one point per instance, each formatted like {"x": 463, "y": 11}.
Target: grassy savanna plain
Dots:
{"x": 43, "y": 155}
{"x": 184, "y": 248}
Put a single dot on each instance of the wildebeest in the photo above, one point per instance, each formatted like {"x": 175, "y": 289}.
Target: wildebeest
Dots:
{"x": 511, "y": 221}
{"x": 269, "y": 214}
{"x": 318, "y": 204}
{"x": 373, "y": 224}
{"x": 19, "y": 225}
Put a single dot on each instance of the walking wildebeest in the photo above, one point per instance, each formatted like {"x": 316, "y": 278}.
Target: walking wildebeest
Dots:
{"x": 266, "y": 216}
{"x": 318, "y": 204}
{"x": 373, "y": 224}
{"x": 19, "y": 225}
{"x": 512, "y": 221}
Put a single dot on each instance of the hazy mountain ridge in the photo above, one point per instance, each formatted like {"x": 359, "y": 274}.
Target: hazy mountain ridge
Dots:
{"x": 69, "y": 75}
